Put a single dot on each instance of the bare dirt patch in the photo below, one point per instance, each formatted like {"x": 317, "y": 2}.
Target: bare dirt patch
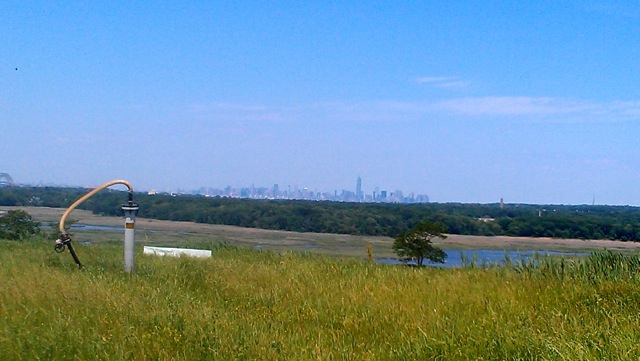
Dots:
{"x": 529, "y": 243}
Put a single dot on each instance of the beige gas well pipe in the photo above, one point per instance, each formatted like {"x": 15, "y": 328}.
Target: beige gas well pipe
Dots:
{"x": 86, "y": 196}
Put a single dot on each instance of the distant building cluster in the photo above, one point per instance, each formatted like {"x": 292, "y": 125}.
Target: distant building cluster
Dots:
{"x": 277, "y": 192}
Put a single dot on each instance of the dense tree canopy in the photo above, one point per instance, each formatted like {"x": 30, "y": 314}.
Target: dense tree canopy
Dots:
{"x": 558, "y": 221}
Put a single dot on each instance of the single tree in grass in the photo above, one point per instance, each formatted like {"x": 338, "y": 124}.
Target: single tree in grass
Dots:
{"x": 17, "y": 225}
{"x": 416, "y": 243}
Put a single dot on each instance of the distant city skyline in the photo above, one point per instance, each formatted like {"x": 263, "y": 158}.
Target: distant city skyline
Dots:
{"x": 294, "y": 192}
{"x": 377, "y": 195}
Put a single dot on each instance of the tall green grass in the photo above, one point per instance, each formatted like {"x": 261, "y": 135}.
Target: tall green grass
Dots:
{"x": 245, "y": 304}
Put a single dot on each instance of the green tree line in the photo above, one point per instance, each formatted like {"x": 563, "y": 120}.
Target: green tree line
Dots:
{"x": 557, "y": 221}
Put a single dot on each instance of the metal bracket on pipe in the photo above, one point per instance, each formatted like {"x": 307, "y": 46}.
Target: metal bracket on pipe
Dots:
{"x": 65, "y": 241}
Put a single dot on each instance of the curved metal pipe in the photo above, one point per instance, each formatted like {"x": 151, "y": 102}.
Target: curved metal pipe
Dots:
{"x": 86, "y": 196}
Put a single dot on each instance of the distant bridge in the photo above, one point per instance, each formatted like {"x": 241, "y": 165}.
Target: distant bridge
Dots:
{"x": 5, "y": 180}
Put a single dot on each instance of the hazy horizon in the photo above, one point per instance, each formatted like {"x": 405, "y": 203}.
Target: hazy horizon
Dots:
{"x": 531, "y": 102}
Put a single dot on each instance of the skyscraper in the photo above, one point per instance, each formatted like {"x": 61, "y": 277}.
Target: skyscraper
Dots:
{"x": 359, "y": 193}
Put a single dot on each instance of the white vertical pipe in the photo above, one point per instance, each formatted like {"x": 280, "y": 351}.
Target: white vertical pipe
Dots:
{"x": 129, "y": 243}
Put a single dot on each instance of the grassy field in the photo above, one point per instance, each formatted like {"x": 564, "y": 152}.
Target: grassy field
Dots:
{"x": 246, "y": 304}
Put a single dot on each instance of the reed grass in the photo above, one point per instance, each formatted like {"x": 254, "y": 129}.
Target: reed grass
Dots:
{"x": 244, "y": 304}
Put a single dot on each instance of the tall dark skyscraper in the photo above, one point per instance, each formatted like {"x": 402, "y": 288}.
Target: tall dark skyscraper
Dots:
{"x": 359, "y": 193}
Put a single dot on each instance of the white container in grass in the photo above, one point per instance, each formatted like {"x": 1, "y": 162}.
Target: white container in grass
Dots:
{"x": 176, "y": 252}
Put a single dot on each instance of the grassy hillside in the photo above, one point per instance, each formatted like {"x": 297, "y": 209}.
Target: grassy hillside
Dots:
{"x": 247, "y": 304}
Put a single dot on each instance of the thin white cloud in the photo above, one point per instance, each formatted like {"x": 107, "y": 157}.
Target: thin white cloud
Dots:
{"x": 454, "y": 84}
{"x": 626, "y": 109}
{"x": 514, "y": 106}
{"x": 445, "y": 82}
{"x": 540, "y": 106}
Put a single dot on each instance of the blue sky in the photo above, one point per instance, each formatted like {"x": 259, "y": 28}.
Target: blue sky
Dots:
{"x": 533, "y": 102}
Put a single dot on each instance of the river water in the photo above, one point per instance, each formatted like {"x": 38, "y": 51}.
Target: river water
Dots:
{"x": 480, "y": 257}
